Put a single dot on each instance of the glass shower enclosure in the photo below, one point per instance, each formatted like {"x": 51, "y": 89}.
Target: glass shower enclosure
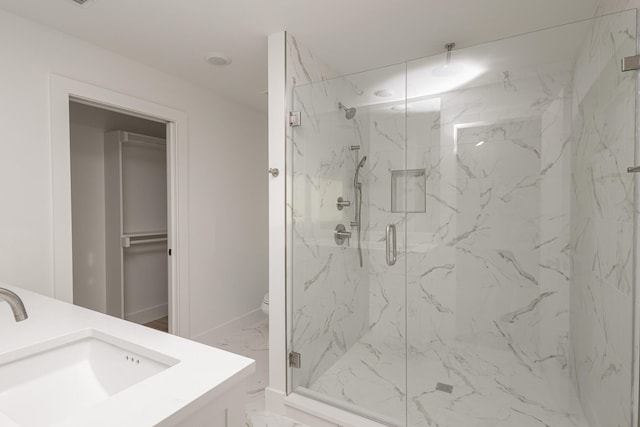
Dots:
{"x": 461, "y": 234}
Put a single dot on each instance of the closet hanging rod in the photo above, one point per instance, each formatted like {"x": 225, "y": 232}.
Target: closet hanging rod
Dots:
{"x": 146, "y": 234}
{"x": 127, "y": 242}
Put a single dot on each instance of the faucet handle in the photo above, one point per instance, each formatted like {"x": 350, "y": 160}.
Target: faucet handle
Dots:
{"x": 340, "y": 234}
{"x": 341, "y": 203}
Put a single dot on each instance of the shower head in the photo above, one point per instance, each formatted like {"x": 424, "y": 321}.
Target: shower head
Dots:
{"x": 349, "y": 112}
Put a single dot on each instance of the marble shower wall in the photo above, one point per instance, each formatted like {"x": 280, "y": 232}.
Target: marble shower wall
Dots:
{"x": 487, "y": 262}
{"x": 602, "y": 211}
{"x": 525, "y": 245}
{"x": 328, "y": 288}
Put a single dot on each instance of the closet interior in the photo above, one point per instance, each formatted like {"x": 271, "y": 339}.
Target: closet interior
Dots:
{"x": 119, "y": 214}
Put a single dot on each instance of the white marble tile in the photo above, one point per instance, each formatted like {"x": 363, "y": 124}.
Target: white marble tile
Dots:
{"x": 491, "y": 387}
{"x": 513, "y": 270}
{"x": 601, "y": 236}
{"x": 253, "y": 342}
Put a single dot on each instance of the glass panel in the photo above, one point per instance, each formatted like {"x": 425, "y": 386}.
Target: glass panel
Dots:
{"x": 520, "y": 269}
{"x": 348, "y": 305}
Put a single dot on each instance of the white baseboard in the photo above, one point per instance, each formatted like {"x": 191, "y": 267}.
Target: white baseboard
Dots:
{"x": 214, "y": 335}
{"x": 148, "y": 314}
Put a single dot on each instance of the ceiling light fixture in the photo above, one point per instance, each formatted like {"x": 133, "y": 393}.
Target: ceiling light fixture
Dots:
{"x": 384, "y": 93}
{"x": 84, "y": 3}
{"x": 217, "y": 59}
{"x": 401, "y": 107}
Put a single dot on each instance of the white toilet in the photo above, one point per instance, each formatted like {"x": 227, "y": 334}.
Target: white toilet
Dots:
{"x": 265, "y": 304}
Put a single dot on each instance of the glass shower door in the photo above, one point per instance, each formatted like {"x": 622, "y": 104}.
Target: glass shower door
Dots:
{"x": 503, "y": 169}
{"x": 347, "y": 264}
{"x": 520, "y": 302}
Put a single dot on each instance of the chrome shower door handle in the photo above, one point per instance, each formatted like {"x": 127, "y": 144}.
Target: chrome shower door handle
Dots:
{"x": 392, "y": 248}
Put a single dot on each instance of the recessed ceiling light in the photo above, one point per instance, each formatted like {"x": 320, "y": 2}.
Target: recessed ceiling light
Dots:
{"x": 401, "y": 107}
{"x": 383, "y": 93}
{"x": 84, "y": 3}
{"x": 217, "y": 59}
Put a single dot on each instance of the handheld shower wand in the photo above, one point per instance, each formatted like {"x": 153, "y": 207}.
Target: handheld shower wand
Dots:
{"x": 360, "y": 165}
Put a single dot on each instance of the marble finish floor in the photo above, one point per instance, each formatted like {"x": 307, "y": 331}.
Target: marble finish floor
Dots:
{"x": 253, "y": 342}
{"x": 490, "y": 387}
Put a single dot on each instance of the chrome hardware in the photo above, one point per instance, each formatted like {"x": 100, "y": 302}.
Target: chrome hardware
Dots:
{"x": 340, "y": 234}
{"x": 295, "y": 360}
{"x": 634, "y": 169}
{"x": 353, "y": 224}
{"x": 342, "y": 203}
{"x": 295, "y": 119}
{"x": 392, "y": 254}
{"x": 631, "y": 63}
{"x": 14, "y": 301}
{"x": 354, "y": 147}
{"x": 274, "y": 172}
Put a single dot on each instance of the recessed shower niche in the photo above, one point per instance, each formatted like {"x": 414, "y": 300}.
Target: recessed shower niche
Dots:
{"x": 408, "y": 191}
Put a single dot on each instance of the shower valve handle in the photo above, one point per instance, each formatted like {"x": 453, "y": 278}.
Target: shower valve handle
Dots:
{"x": 340, "y": 234}
{"x": 341, "y": 203}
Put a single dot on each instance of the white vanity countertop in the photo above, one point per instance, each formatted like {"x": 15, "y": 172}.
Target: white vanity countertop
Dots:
{"x": 203, "y": 373}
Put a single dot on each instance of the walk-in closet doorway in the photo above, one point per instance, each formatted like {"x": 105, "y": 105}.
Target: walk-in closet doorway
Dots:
{"x": 119, "y": 205}
{"x": 119, "y": 214}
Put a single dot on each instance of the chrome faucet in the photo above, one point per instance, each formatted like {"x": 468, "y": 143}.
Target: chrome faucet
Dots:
{"x": 15, "y": 303}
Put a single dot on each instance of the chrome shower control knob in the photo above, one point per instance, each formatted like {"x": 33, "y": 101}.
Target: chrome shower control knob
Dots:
{"x": 340, "y": 234}
{"x": 341, "y": 203}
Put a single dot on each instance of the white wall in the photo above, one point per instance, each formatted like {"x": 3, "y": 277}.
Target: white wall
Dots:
{"x": 227, "y": 169}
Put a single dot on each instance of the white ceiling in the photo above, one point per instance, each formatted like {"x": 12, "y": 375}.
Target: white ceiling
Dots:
{"x": 350, "y": 35}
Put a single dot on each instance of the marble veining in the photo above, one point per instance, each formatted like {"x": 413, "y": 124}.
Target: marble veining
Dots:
{"x": 514, "y": 286}
{"x": 490, "y": 387}
{"x": 602, "y": 209}
{"x": 253, "y": 342}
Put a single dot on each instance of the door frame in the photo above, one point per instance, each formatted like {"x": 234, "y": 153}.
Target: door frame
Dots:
{"x": 64, "y": 90}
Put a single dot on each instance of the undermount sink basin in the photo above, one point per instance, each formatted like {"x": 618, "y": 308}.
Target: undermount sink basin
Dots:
{"x": 49, "y": 381}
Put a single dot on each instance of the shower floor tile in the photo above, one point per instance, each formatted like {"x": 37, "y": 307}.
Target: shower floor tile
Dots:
{"x": 451, "y": 385}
